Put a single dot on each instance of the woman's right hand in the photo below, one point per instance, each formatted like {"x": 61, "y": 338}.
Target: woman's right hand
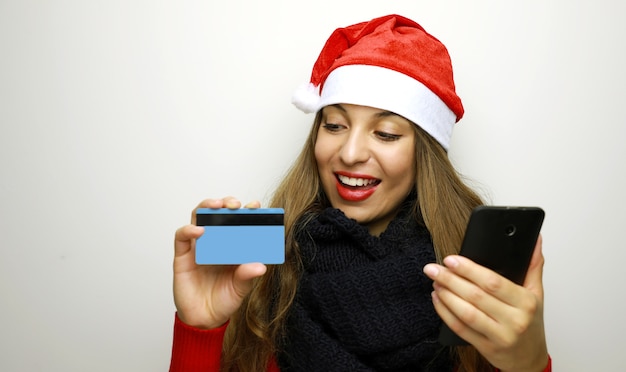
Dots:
{"x": 207, "y": 295}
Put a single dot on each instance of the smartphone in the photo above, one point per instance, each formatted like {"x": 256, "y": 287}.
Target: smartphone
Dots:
{"x": 237, "y": 236}
{"x": 501, "y": 238}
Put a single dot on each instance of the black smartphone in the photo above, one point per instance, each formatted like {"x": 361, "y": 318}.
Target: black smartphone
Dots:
{"x": 502, "y": 239}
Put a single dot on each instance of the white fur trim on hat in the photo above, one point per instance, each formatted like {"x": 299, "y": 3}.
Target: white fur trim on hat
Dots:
{"x": 393, "y": 91}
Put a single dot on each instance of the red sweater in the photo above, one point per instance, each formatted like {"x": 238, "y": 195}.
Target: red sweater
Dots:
{"x": 200, "y": 350}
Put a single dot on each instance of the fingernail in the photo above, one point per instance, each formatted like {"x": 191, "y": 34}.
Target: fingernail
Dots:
{"x": 434, "y": 296}
{"x": 431, "y": 270}
{"x": 451, "y": 261}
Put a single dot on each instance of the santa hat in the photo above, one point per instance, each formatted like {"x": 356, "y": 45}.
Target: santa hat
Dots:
{"x": 390, "y": 63}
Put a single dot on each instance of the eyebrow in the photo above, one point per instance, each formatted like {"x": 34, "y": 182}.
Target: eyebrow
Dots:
{"x": 381, "y": 114}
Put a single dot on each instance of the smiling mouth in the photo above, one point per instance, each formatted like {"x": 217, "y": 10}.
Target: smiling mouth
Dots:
{"x": 357, "y": 182}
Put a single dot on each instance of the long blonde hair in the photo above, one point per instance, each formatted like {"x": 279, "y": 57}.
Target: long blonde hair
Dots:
{"x": 444, "y": 204}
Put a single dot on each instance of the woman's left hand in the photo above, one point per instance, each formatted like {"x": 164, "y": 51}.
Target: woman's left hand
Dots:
{"x": 503, "y": 320}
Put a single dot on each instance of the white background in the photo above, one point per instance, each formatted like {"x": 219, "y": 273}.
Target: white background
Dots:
{"x": 118, "y": 117}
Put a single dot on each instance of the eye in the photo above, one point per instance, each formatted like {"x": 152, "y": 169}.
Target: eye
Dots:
{"x": 332, "y": 127}
{"x": 388, "y": 137}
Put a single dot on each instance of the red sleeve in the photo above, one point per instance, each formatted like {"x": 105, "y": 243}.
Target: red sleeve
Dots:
{"x": 196, "y": 350}
{"x": 547, "y": 369}
{"x": 200, "y": 350}
{"x": 549, "y": 366}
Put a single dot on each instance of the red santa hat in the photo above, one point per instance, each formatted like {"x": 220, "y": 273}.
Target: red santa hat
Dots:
{"x": 390, "y": 63}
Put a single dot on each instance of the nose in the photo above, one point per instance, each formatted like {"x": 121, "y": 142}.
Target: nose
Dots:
{"x": 355, "y": 148}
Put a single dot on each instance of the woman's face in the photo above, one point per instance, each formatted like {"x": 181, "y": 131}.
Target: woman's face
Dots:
{"x": 366, "y": 161}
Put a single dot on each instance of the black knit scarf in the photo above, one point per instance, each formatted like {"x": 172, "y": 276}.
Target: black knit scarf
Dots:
{"x": 363, "y": 303}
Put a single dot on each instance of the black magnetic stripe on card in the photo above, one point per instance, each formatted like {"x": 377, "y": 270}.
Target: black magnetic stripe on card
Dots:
{"x": 244, "y": 219}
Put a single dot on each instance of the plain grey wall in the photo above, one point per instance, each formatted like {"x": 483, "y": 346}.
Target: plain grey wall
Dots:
{"x": 118, "y": 117}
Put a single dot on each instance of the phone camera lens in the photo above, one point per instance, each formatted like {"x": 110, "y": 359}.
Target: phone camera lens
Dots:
{"x": 510, "y": 230}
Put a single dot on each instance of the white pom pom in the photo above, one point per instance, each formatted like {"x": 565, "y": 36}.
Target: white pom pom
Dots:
{"x": 306, "y": 98}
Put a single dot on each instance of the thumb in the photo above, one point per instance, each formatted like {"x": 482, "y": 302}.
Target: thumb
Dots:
{"x": 534, "y": 276}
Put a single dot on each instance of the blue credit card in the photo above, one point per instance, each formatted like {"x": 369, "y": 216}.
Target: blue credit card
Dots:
{"x": 236, "y": 236}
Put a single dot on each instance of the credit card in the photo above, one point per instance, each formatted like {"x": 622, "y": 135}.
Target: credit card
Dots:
{"x": 237, "y": 236}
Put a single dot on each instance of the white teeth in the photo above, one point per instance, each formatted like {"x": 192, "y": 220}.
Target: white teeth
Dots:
{"x": 355, "y": 181}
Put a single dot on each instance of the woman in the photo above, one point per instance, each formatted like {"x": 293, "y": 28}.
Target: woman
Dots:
{"x": 371, "y": 204}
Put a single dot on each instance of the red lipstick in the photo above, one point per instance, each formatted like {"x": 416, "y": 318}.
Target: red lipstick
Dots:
{"x": 355, "y": 187}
